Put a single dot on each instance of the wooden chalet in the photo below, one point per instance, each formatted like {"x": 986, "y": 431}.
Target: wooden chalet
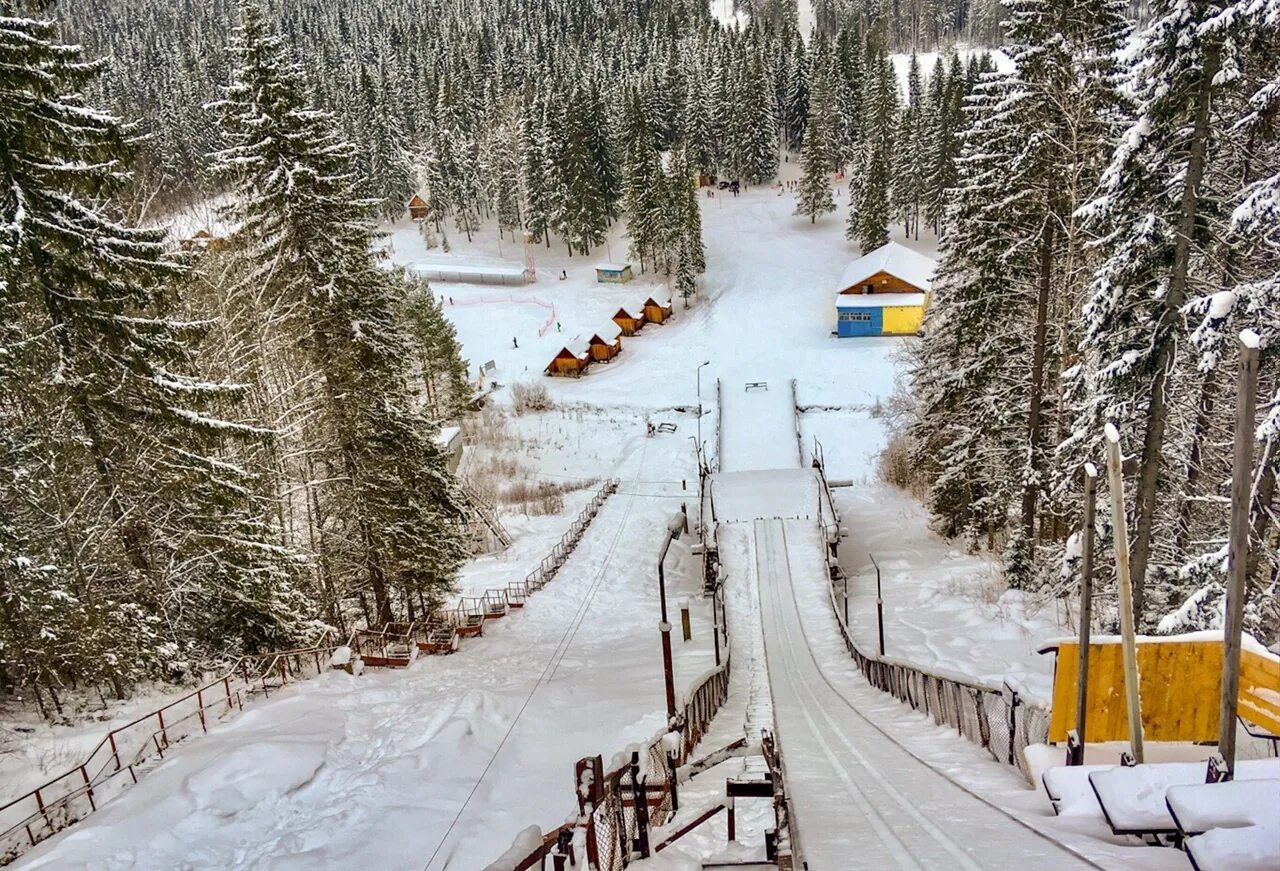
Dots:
{"x": 606, "y": 344}
{"x": 658, "y": 308}
{"x": 418, "y": 208}
{"x": 627, "y": 322}
{"x": 884, "y": 293}
{"x": 572, "y": 360}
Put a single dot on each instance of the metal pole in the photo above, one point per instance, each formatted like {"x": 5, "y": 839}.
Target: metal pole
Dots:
{"x": 1238, "y": 552}
{"x": 1086, "y": 605}
{"x": 879, "y": 605}
{"x": 1128, "y": 633}
{"x": 665, "y": 628}
{"x": 698, "y": 377}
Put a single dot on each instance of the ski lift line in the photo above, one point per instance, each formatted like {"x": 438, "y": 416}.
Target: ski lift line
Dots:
{"x": 561, "y": 648}
{"x": 808, "y": 643}
{"x": 644, "y": 448}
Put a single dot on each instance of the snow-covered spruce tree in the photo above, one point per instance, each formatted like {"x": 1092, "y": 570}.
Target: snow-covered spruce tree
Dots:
{"x": 908, "y": 186}
{"x": 1013, "y": 266}
{"x": 874, "y": 209}
{"x": 534, "y": 180}
{"x": 579, "y": 213}
{"x": 441, "y": 371}
{"x": 755, "y": 126}
{"x": 848, "y": 59}
{"x": 819, "y": 152}
{"x": 129, "y": 544}
{"x": 642, "y": 201}
{"x": 1160, "y": 214}
{"x": 305, "y": 240}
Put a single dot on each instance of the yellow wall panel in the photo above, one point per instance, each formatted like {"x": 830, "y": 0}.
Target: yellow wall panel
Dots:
{"x": 902, "y": 319}
{"x": 1179, "y": 685}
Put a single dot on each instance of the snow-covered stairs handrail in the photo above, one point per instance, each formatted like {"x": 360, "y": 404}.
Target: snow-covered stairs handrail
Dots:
{"x": 607, "y": 806}
{"x": 63, "y": 800}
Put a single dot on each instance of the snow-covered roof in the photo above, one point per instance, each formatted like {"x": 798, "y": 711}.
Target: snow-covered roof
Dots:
{"x": 447, "y": 436}
{"x": 608, "y": 333}
{"x": 612, "y": 267}
{"x": 660, "y": 297}
{"x": 578, "y": 346}
{"x": 898, "y": 260}
{"x": 877, "y": 300}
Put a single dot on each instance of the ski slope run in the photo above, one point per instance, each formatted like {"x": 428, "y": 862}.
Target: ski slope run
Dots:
{"x": 855, "y": 791}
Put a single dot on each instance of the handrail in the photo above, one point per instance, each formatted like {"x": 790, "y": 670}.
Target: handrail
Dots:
{"x": 56, "y": 813}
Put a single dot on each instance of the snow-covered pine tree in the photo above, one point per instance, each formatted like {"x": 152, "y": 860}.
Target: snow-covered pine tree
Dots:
{"x": 643, "y": 192}
{"x": 910, "y": 156}
{"x": 1013, "y": 264}
{"x": 755, "y": 125}
{"x": 304, "y": 247}
{"x": 1168, "y": 252}
{"x": 820, "y": 148}
{"x": 578, "y": 207}
{"x": 874, "y": 208}
{"x": 130, "y": 545}
{"x": 534, "y": 180}
{"x": 441, "y": 371}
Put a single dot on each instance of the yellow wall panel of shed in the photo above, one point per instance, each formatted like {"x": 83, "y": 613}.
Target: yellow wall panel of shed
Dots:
{"x": 1179, "y": 684}
{"x": 902, "y": 319}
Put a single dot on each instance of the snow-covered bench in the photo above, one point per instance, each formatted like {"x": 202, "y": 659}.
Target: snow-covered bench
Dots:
{"x": 1132, "y": 798}
{"x": 1069, "y": 791}
{"x": 1236, "y": 804}
{"x": 1254, "y": 848}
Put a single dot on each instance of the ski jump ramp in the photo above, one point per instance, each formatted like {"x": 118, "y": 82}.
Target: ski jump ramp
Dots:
{"x": 758, "y": 425}
{"x": 859, "y": 799}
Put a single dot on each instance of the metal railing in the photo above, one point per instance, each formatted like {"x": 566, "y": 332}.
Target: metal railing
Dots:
{"x": 29, "y": 819}
{"x": 993, "y": 717}
{"x": 611, "y": 825}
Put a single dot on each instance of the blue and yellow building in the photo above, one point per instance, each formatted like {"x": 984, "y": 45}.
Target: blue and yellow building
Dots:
{"x": 884, "y": 293}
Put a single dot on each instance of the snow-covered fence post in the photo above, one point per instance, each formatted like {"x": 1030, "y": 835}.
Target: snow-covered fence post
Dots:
{"x": 1238, "y": 549}
{"x": 1127, "y": 630}
{"x": 1076, "y": 753}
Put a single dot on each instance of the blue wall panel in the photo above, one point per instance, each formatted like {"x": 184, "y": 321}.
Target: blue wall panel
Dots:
{"x": 873, "y": 326}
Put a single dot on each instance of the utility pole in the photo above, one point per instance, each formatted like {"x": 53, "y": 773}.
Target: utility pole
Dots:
{"x": 1238, "y": 550}
{"x": 1128, "y": 633}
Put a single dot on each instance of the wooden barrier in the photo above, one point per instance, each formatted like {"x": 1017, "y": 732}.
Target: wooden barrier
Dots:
{"x": 1179, "y": 682}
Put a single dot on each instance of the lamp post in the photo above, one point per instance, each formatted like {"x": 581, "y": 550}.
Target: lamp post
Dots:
{"x": 698, "y": 376}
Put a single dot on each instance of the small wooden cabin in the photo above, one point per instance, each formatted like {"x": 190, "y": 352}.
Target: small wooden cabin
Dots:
{"x": 606, "y": 344}
{"x": 613, "y": 273}
{"x": 658, "y": 309}
{"x": 201, "y": 240}
{"x": 627, "y": 322}
{"x": 418, "y": 208}
{"x": 572, "y": 360}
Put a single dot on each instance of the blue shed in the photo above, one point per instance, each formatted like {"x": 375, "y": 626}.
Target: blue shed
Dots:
{"x": 613, "y": 273}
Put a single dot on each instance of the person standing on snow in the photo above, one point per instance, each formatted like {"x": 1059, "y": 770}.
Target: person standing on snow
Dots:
{"x": 514, "y": 343}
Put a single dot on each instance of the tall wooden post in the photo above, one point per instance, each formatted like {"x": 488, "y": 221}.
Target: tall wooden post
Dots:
{"x": 1086, "y": 606}
{"x": 1238, "y": 552}
{"x": 1128, "y": 634}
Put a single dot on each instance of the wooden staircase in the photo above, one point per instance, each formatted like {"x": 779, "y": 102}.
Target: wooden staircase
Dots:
{"x": 482, "y": 519}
